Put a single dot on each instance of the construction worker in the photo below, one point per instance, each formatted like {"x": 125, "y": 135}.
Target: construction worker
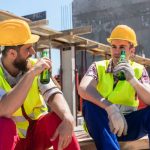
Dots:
{"x": 25, "y": 123}
{"x": 110, "y": 105}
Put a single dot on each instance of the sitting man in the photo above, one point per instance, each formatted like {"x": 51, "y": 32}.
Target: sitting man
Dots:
{"x": 110, "y": 105}
{"x": 25, "y": 123}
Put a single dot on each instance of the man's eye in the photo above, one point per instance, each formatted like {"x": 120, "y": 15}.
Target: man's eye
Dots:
{"x": 113, "y": 46}
{"x": 122, "y": 47}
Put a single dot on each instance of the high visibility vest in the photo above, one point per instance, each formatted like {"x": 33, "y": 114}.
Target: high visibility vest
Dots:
{"x": 123, "y": 93}
{"x": 34, "y": 105}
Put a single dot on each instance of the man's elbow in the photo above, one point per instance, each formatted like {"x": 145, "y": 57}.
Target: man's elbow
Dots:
{"x": 4, "y": 112}
{"x": 81, "y": 91}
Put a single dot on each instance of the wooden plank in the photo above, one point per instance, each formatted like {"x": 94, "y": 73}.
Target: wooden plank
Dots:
{"x": 8, "y": 15}
{"x": 101, "y": 46}
{"x": 86, "y": 141}
{"x": 68, "y": 45}
{"x": 140, "y": 144}
{"x": 71, "y": 32}
{"x": 44, "y": 31}
{"x": 141, "y": 60}
{"x": 39, "y": 23}
{"x": 79, "y": 30}
{"x": 87, "y": 47}
{"x": 40, "y": 33}
{"x": 54, "y": 36}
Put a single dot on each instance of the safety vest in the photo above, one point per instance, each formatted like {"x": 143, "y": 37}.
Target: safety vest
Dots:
{"x": 34, "y": 104}
{"x": 123, "y": 93}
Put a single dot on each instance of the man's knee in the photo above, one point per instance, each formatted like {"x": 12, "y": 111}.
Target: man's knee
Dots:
{"x": 47, "y": 124}
{"x": 7, "y": 125}
{"x": 8, "y": 137}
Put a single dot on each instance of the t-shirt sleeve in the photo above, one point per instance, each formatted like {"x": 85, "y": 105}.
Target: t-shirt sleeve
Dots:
{"x": 2, "y": 93}
{"x": 145, "y": 77}
{"x": 92, "y": 71}
{"x": 47, "y": 90}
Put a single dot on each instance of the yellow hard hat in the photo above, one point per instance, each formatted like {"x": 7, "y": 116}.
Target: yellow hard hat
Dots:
{"x": 123, "y": 32}
{"x": 15, "y": 32}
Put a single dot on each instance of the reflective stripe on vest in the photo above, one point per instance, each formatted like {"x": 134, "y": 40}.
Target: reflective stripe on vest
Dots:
{"x": 123, "y": 93}
{"x": 22, "y": 118}
{"x": 22, "y": 131}
{"x": 34, "y": 105}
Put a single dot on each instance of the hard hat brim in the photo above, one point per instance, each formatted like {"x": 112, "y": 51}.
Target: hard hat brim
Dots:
{"x": 110, "y": 39}
{"x": 34, "y": 38}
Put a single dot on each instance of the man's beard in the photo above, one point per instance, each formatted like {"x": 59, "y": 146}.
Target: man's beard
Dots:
{"x": 20, "y": 64}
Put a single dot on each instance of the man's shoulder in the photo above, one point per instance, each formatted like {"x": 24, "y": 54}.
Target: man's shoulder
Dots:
{"x": 138, "y": 69}
{"x": 137, "y": 65}
{"x": 102, "y": 63}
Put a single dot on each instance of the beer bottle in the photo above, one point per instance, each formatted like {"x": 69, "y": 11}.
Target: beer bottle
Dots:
{"x": 121, "y": 75}
{"x": 46, "y": 74}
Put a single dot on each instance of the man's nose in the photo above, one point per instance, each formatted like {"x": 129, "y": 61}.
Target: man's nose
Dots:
{"x": 32, "y": 51}
{"x": 117, "y": 51}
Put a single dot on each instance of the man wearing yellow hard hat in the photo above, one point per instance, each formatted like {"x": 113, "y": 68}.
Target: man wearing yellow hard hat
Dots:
{"x": 110, "y": 102}
{"x": 25, "y": 123}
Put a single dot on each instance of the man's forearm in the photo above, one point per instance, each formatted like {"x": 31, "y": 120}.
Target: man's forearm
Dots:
{"x": 93, "y": 96}
{"x": 59, "y": 105}
{"x": 87, "y": 90}
{"x": 11, "y": 101}
{"x": 143, "y": 90}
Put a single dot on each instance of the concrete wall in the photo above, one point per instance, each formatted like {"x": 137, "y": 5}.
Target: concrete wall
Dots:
{"x": 104, "y": 15}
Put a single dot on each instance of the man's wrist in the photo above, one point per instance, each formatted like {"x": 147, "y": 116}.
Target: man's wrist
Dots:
{"x": 112, "y": 109}
{"x": 133, "y": 81}
{"x": 105, "y": 101}
{"x": 68, "y": 117}
{"x": 30, "y": 73}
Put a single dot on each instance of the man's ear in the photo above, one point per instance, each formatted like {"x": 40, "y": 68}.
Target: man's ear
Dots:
{"x": 12, "y": 53}
{"x": 132, "y": 52}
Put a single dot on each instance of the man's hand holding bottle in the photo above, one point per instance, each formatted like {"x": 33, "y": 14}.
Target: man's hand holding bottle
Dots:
{"x": 126, "y": 68}
{"x": 124, "y": 71}
{"x": 41, "y": 65}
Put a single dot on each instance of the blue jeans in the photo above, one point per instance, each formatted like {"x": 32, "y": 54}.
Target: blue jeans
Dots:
{"x": 97, "y": 121}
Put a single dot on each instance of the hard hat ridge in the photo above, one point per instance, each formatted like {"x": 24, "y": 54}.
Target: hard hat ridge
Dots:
{"x": 15, "y": 32}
